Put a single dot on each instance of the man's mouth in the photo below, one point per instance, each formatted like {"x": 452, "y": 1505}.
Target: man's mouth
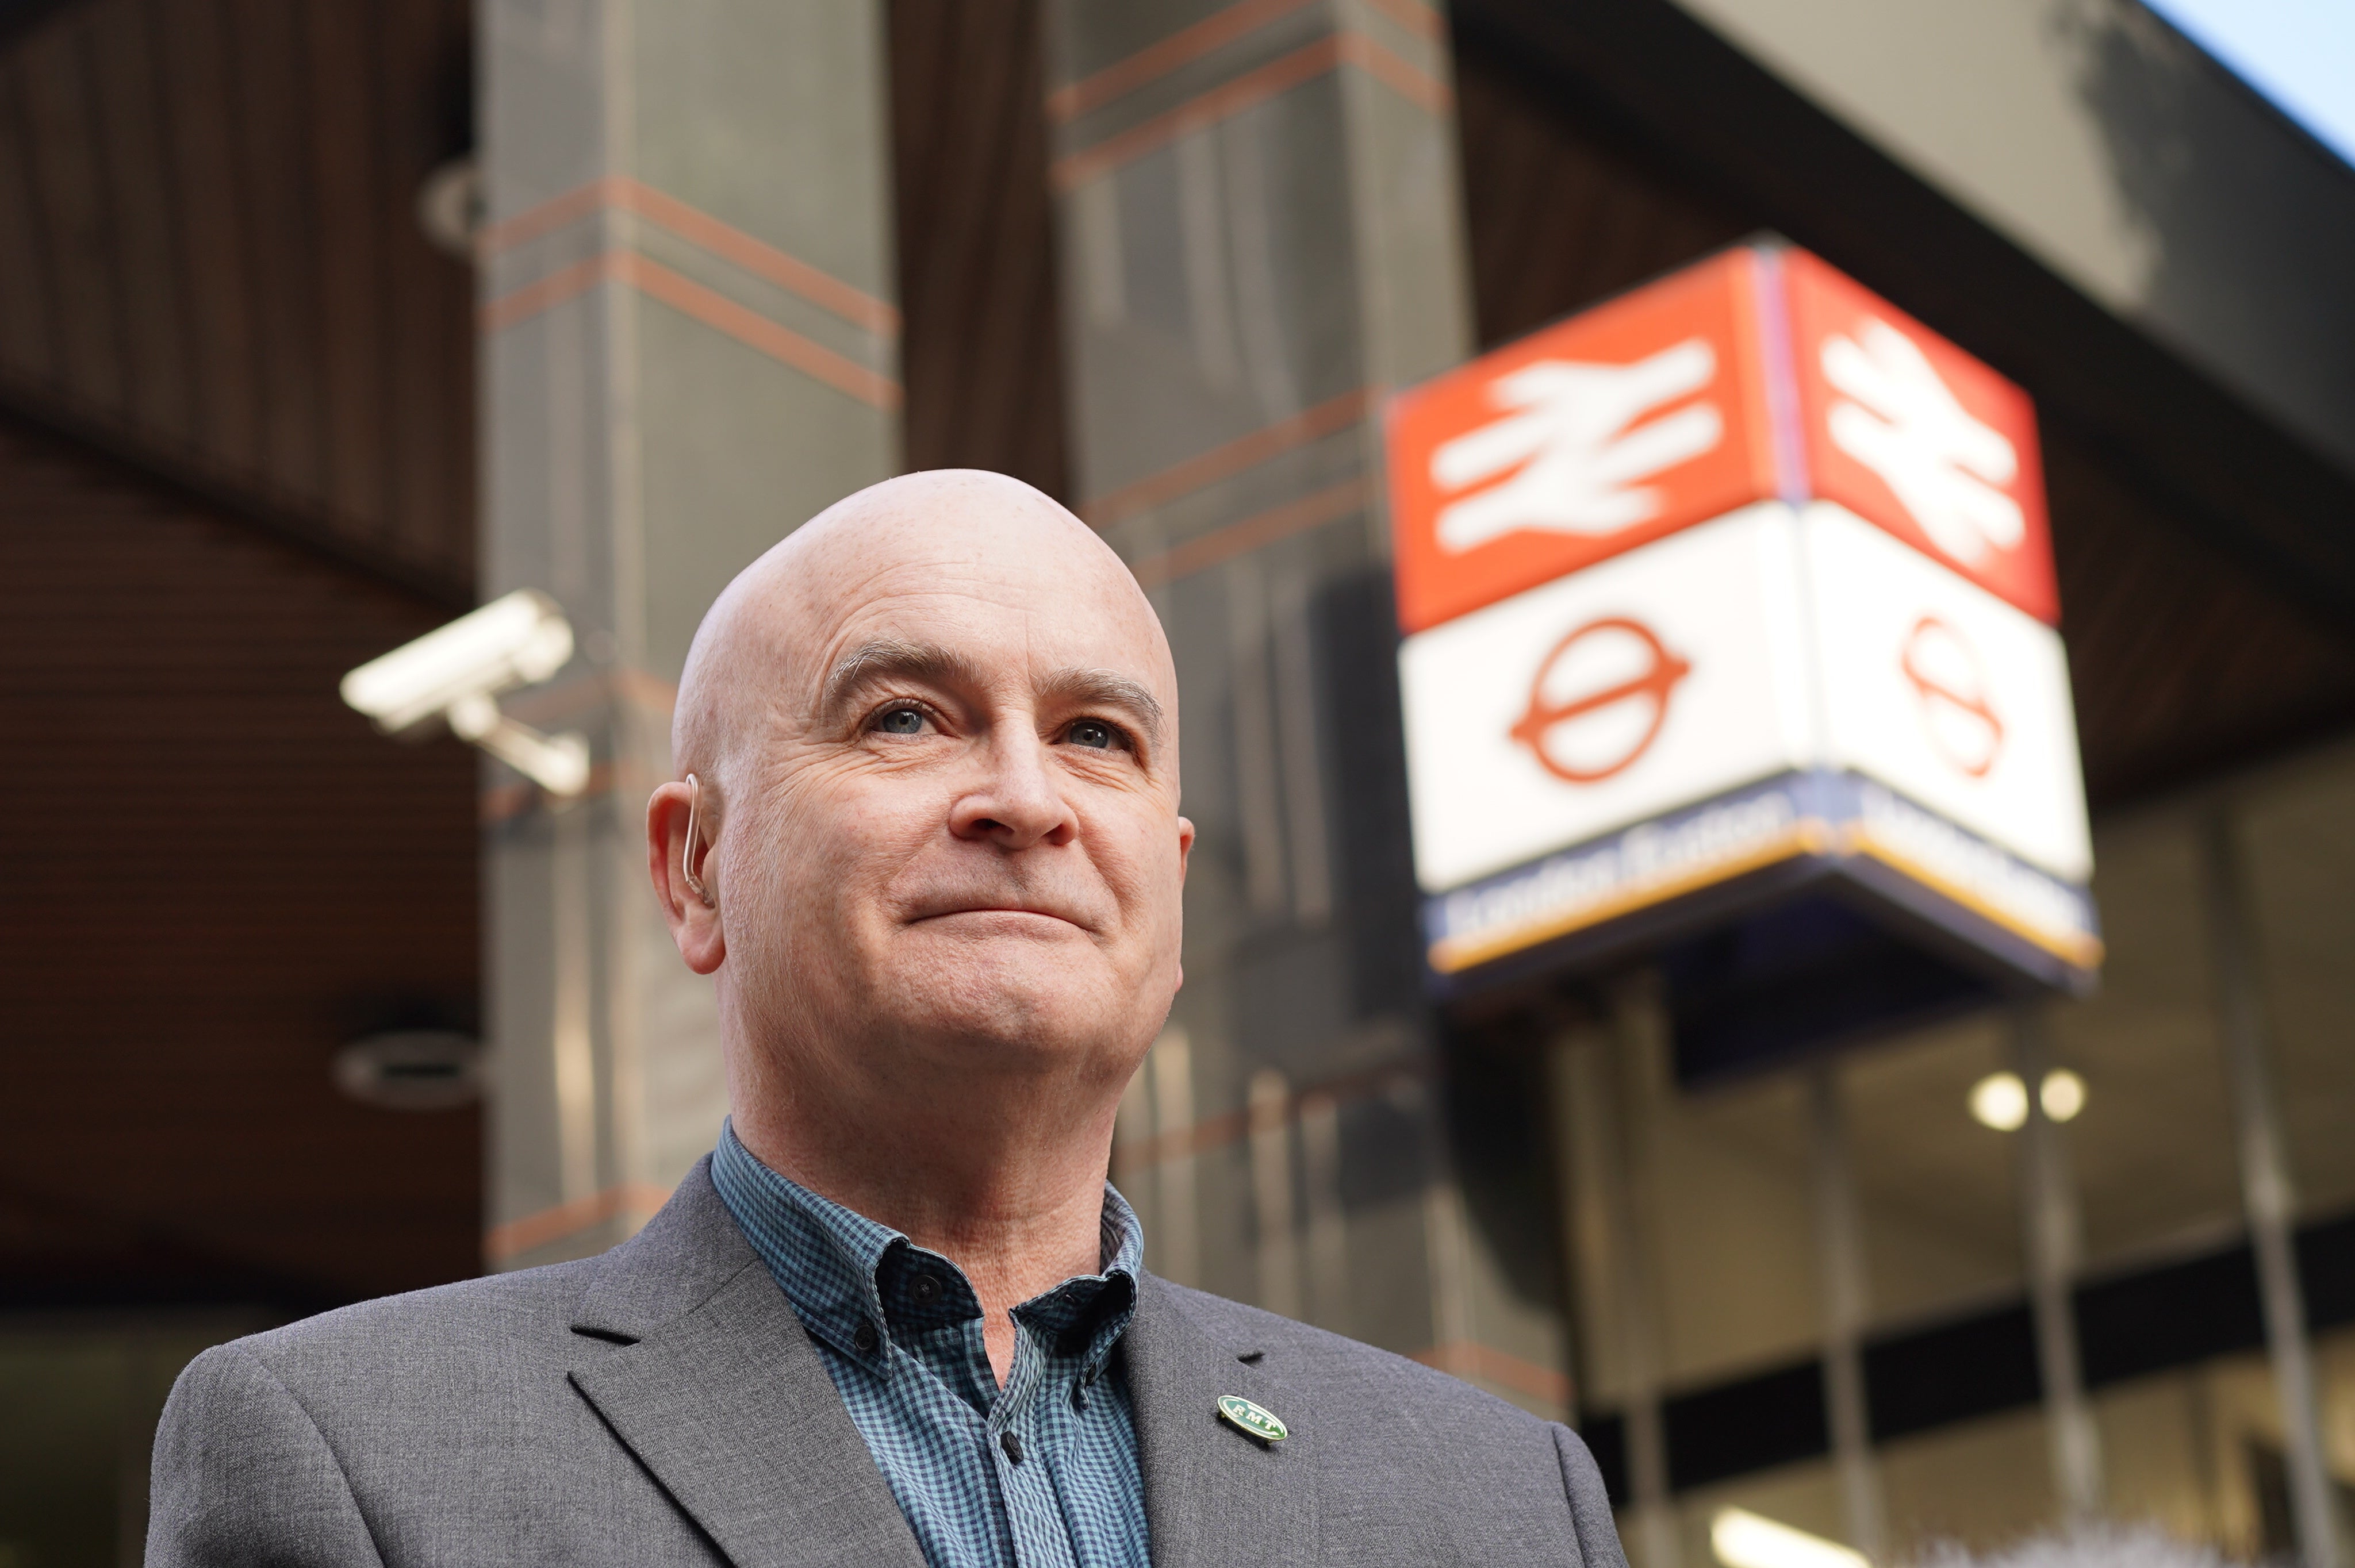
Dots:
{"x": 1009, "y": 910}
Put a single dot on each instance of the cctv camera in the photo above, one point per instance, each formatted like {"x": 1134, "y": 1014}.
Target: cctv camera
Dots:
{"x": 455, "y": 675}
{"x": 509, "y": 643}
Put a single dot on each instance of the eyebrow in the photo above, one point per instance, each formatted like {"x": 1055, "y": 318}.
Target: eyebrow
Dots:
{"x": 885, "y": 660}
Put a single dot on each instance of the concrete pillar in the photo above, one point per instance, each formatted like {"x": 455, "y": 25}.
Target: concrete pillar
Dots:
{"x": 1604, "y": 1129}
{"x": 688, "y": 347}
{"x": 2266, "y": 1191}
{"x": 2054, "y": 1232}
{"x": 1260, "y": 234}
{"x": 1845, "y": 1286}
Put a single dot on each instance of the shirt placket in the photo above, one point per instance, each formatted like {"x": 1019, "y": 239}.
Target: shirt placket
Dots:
{"x": 1024, "y": 1459}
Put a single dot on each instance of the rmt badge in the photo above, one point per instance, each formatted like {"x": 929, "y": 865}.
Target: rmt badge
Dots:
{"x": 1731, "y": 601}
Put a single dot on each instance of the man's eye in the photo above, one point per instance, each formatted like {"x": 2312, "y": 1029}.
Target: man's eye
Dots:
{"x": 901, "y": 721}
{"x": 1093, "y": 733}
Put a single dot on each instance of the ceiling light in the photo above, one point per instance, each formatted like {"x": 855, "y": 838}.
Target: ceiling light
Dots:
{"x": 1999, "y": 1100}
{"x": 410, "y": 1069}
{"x": 2064, "y": 1094}
{"x": 1745, "y": 1540}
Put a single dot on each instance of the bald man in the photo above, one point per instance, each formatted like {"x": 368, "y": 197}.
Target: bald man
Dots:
{"x": 925, "y": 840}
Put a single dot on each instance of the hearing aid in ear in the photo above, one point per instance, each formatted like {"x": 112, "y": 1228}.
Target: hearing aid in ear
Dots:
{"x": 687, "y": 855}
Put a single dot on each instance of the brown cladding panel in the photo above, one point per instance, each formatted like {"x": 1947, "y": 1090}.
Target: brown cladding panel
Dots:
{"x": 25, "y": 315}
{"x": 2181, "y": 661}
{"x": 127, "y": 98}
{"x": 279, "y": 203}
{"x": 427, "y": 300}
{"x": 216, "y": 874}
{"x": 219, "y": 270}
{"x": 70, "y": 205}
{"x": 1559, "y": 217}
{"x": 982, "y": 355}
{"x": 341, "y": 150}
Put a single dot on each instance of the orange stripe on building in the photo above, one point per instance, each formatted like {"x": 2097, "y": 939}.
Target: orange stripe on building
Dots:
{"x": 751, "y": 328}
{"x": 709, "y": 306}
{"x": 761, "y": 259}
{"x": 1415, "y": 17}
{"x": 1279, "y": 75}
{"x": 700, "y": 228}
{"x": 1311, "y": 511}
{"x": 548, "y": 217}
{"x": 635, "y": 1200}
{"x": 1304, "y": 64}
{"x": 1335, "y": 414}
{"x": 1412, "y": 82}
{"x": 1156, "y": 61}
{"x": 497, "y": 316}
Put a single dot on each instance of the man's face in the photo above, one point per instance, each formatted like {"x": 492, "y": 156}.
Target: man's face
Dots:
{"x": 952, "y": 844}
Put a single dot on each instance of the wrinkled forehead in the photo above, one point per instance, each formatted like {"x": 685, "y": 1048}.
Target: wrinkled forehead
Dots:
{"x": 1016, "y": 601}
{"x": 1007, "y": 617}
{"x": 1012, "y": 588}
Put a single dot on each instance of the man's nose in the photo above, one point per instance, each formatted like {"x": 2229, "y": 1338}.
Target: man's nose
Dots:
{"x": 1015, "y": 803}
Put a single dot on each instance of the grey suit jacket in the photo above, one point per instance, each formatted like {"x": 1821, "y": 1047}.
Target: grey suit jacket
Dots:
{"x": 661, "y": 1403}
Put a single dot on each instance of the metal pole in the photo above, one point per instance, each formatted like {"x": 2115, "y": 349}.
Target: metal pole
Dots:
{"x": 2267, "y": 1190}
{"x": 1612, "y": 1118}
{"x": 1846, "y": 1294}
{"x": 2049, "y": 1222}
{"x": 1584, "y": 1247}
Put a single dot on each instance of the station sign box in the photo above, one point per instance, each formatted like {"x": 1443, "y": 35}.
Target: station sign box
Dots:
{"x": 1732, "y": 594}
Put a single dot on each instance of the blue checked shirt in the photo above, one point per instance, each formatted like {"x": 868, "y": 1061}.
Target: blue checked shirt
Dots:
{"x": 1039, "y": 1475}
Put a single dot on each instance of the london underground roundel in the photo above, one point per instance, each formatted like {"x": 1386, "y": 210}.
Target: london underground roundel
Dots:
{"x": 1950, "y": 684}
{"x": 1589, "y": 718}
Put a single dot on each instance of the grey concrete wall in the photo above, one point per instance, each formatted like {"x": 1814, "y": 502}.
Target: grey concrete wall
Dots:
{"x": 688, "y": 347}
{"x": 1261, "y": 236}
{"x": 2118, "y": 154}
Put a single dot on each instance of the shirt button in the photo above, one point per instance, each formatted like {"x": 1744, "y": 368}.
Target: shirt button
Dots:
{"x": 1012, "y": 1444}
{"x": 926, "y": 1289}
{"x": 1089, "y": 1376}
{"x": 864, "y": 1339}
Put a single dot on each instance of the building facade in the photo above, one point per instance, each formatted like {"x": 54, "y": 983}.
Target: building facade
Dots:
{"x": 1166, "y": 260}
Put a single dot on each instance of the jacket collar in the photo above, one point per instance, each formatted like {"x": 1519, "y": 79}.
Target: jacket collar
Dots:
{"x": 707, "y": 1377}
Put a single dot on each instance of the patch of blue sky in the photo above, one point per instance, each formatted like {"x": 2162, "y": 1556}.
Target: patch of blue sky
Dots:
{"x": 2298, "y": 53}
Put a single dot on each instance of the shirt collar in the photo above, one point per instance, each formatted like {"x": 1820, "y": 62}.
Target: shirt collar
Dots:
{"x": 842, "y": 1270}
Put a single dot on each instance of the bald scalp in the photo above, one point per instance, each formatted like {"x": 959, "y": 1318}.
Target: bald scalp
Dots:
{"x": 750, "y": 655}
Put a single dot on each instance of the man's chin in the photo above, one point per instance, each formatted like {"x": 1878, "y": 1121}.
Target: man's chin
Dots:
{"x": 1035, "y": 989}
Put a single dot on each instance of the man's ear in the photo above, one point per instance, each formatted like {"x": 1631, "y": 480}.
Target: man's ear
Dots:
{"x": 1184, "y": 848}
{"x": 678, "y": 846}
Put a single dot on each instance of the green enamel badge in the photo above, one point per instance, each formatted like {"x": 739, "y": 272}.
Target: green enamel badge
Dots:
{"x": 1244, "y": 1417}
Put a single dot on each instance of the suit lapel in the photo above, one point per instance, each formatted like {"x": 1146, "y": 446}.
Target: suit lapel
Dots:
{"x": 1213, "y": 1495}
{"x": 718, "y": 1391}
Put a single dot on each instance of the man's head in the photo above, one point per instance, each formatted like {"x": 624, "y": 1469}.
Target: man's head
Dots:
{"x": 936, "y": 732}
